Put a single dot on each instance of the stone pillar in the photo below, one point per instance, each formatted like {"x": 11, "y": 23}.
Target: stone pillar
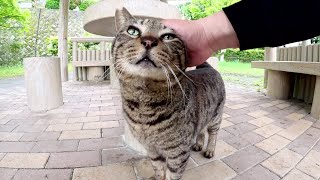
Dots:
{"x": 62, "y": 38}
{"x": 131, "y": 141}
{"x": 278, "y": 84}
{"x": 95, "y": 73}
{"x": 315, "y": 110}
{"x": 43, "y": 83}
{"x": 270, "y": 54}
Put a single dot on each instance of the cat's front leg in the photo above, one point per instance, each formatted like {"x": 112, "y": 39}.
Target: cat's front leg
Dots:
{"x": 158, "y": 162}
{"x": 176, "y": 164}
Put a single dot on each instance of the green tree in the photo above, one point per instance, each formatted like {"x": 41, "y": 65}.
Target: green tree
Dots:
{"x": 11, "y": 16}
{"x": 82, "y": 4}
{"x": 197, "y": 9}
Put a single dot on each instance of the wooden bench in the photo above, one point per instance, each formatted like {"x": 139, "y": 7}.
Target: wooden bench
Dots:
{"x": 91, "y": 64}
{"x": 295, "y": 75}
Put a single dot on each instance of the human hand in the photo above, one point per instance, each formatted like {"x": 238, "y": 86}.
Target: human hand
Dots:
{"x": 205, "y": 36}
{"x": 193, "y": 35}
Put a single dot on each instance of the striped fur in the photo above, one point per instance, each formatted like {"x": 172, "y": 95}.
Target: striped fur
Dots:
{"x": 168, "y": 109}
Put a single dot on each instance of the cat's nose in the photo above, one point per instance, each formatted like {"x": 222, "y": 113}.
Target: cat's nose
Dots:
{"x": 148, "y": 42}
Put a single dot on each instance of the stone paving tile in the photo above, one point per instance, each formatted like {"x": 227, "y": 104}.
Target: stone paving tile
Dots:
{"x": 258, "y": 113}
{"x": 112, "y": 132}
{"x": 111, "y": 118}
{"x": 240, "y": 119}
{"x": 222, "y": 135}
{"x": 225, "y": 123}
{"x": 22, "y": 122}
{"x": 295, "y": 174}
{"x": 235, "y": 112}
{"x": 101, "y": 125}
{"x": 16, "y": 146}
{"x": 101, "y": 113}
{"x": 83, "y": 119}
{"x": 3, "y": 120}
{"x": 110, "y": 172}
{"x": 282, "y": 162}
{"x": 261, "y": 121}
{"x": 55, "y": 146}
{"x": 50, "y": 121}
{"x": 257, "y": 172}
{"x": 64, "y": 127}
{"x": 311, "y": 164}
{"x": 225, "y": 116}
{"x": 295, "y": 116}
{"x": 7, "y": 174}
{"x": 283, "y": 123}
{"x": 246, "y": 158}
{"x": 317, "y": 147}
{"x": 43, "y": 174}
{"x": 268, "y": 130}
{"x": 101, "y": 143}
{"x": 144, "y": 169}
{"x": 240, "y": 128}
{"x": 42, "y": 136}
{"x": 305, "y": 142}
{"x": 2, "y": 155}
{"x": 9, "y": 136}
{"x": 283, "y": 105}
{"x": 80, "y": 134}
{"x": 31, "y": 128}
{"x": 244, "y": 140}
{"x": 295, "y": 130}
{"x": 119, "y": 155}
{"x": 222, "y": 150}
{"x": 7, "y": 128}
{"x": 273, "y": 144}
{"x": 74, "y": 159}
{"x": 216, "y": 170}
{"x": 238, "y": 106}
{"x": 24, "y": 160}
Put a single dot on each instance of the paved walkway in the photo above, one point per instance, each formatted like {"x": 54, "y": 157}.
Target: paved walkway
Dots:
{"x": 260, "y": 139}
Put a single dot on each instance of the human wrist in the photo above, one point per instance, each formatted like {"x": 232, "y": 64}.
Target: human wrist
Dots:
{"x": 219, "y": 31}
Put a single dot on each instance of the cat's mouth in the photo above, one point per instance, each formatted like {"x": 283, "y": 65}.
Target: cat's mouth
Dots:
{"x": 146, "y": 62}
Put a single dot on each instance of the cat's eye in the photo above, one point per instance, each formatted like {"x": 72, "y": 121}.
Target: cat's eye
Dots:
{"x": 133, "y": 31}
{"x": 168, "y": 37}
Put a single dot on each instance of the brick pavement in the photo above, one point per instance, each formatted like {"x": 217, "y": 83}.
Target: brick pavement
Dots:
{"x": 260, "y": 138}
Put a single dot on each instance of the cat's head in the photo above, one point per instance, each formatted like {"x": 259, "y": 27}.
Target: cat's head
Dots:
{"x": 146, "y": 48}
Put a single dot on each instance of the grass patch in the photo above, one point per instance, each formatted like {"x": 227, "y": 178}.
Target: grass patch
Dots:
{"x": 242, "y": 73}
{"x": 240, "y": 69}
{"x": 11, "y": 71}
{"x": 17, "y": 70}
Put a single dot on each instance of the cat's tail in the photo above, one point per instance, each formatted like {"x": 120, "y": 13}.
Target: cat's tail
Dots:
{"x": 204, "y": 65}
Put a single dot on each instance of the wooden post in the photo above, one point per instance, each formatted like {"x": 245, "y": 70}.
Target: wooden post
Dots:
{"x": 62, "y": 38}
{"x": 103, "y": 51}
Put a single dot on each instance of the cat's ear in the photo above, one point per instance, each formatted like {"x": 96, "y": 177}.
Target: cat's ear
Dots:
{"x": 121, "y": 17}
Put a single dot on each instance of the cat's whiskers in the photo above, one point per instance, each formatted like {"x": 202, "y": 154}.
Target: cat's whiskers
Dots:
{"x": 177, "y": 80}
{"x": 168, "y": 82}
{"x": 185, "y": 74}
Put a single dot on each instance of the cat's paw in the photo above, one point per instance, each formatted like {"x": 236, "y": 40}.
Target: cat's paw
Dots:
{"x": 208, "y": 154}
{"x": 197, "y": 147}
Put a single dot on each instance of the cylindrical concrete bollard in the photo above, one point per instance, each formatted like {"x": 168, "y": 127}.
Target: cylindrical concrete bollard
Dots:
{"x": 43, "y": 83}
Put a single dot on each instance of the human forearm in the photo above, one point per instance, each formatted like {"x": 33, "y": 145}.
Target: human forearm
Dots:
{"x": 219, "y": 31}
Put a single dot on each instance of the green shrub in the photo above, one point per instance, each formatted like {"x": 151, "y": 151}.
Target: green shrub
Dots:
{"x": 244, "y": 56}
{"x": 85, "y": 4}
{"x": 52, "y": 47}
{"x": 52, "y": 4}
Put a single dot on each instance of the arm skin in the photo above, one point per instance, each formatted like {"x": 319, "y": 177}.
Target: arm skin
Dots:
{"x": 249, "y": 24}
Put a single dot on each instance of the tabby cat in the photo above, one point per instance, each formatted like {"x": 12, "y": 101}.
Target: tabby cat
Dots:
{"x": 167, "y": 108}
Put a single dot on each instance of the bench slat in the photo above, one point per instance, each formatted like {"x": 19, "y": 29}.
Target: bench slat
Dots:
{"x": 312, "y": 68}
{"x": 90, "y": 63}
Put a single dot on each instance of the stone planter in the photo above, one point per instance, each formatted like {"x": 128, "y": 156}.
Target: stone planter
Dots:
{"x": 43, "y": 83}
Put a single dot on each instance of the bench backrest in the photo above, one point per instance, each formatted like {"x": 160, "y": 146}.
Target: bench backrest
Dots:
{"x": 100, "y": 54}
{"x": 310, "y": 53}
